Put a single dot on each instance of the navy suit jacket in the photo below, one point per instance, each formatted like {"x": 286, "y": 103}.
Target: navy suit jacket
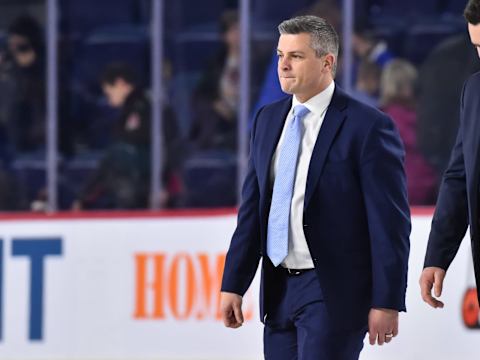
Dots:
{"x": 356, "y": 216}
{"x": 457, "y": 204}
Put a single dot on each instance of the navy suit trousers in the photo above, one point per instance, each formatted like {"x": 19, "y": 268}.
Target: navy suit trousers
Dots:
{"x": 298, "y": 326}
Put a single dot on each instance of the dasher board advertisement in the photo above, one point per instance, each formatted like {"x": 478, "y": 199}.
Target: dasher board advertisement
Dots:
{"x": 147, "y": 288}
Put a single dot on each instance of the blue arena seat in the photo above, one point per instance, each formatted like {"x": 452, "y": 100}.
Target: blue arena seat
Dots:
{"x": 29, "y": 172}
{"x": 210, "y": 180}
{"x": 80, "y": 17}
{"x": 422, "y": 38}
{"x": 404, "y": 8}
{"x": 75, "y": 174}
{"x": 455, "y": 6}
{"x": 183, "y": 14}
{"x": 119, "y": 43}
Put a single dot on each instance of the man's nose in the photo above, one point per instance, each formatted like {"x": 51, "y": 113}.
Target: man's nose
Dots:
{"x": 284, "y": 64}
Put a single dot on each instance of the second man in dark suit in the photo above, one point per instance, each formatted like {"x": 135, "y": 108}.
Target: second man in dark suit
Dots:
{"x": 458, "y": 201}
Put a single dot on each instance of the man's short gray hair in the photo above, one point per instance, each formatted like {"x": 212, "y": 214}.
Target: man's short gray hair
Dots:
{"x": 324, "y": 38}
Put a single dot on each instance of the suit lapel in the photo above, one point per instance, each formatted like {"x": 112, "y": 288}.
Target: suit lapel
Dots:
{"x": 331, "y": 124}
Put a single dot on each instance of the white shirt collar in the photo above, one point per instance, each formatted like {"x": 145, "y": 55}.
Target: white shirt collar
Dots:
{"x": 318, "y": 103}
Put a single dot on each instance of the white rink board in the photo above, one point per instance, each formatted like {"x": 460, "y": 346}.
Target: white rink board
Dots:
{"x": 147, "y": 289}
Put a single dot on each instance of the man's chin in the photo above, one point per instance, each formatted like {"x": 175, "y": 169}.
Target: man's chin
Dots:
{"x": 287, "y": 90}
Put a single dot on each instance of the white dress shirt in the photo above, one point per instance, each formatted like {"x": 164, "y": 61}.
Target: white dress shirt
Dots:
{"x": 298, "y": 254}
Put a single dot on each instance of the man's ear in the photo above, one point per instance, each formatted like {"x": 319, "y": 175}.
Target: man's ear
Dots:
{"x": 329, "y": 62}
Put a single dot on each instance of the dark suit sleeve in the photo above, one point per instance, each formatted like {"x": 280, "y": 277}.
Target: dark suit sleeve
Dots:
{"x": 388, "y": 213}
{"x": 243, "y": 255}
{"x": 450, "y": 220}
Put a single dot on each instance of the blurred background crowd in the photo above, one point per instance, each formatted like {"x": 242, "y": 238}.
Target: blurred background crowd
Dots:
{"x": 410, "y": 60}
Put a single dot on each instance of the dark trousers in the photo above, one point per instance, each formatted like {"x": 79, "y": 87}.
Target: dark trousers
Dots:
{"x": 298, "y": 327}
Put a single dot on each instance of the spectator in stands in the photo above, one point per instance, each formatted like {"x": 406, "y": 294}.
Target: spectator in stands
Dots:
{"x": 122, "y": 180}
{"x": 22, "y": 86}
{"x": 22, "y": 104}
{"x": 22, "y": 89}
{"x": 215, "y": 100}
{"x": 209, "y": 173}
{"x": 397, "y": 97}
{"x": 368, "y": 83}
{"x": 367, "y": 46}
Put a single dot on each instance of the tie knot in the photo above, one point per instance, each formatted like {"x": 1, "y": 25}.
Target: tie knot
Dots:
{"x": 300, "y": 111}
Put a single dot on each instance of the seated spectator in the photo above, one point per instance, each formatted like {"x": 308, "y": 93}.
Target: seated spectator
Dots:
{"x": 209, "y": 173}
{"x": 397, "y": 98}
{"x": 368, "y": 83}
{"x": 22, "y": 104}
{"x": 367, "y": 46}
{"x": 23, "y": 86}
{"x": 23, "y": 89}
{"x": 122, "y": 180}
{"x": 215, "y": 101}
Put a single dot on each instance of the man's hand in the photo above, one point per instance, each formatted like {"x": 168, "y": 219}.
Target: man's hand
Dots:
{"x": 382, "y": 325}
{"x": 231, "y": 308}
{"x": 432, "y": 277}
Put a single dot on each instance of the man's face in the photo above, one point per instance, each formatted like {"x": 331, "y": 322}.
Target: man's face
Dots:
{"x": 300, "y": 71}
{"x": 474, "y": 31}
{"x": 117, "y": 92}
{"x": 232, "y": 37}
{"x": 21, "y": 49}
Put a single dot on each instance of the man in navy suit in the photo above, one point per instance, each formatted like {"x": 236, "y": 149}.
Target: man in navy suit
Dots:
{"x": 458, "y": 201}
{"x": 324, "y": 204}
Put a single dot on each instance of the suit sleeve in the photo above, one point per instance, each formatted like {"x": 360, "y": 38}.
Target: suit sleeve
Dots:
{"x": 388, "y": 213}
{"x": 450, "y": 220}
{"x": 243, "y": 255}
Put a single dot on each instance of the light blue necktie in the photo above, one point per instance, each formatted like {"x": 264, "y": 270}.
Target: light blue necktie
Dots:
{"x": 279, "y": 217}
